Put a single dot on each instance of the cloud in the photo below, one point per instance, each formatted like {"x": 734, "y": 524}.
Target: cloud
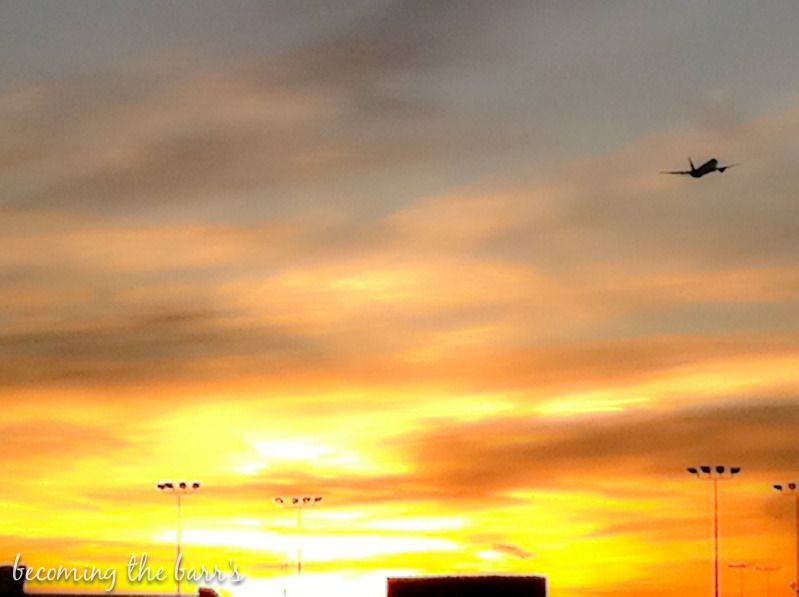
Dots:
{"x": 99, "y": 301}
{"x": 627, "y": 456}
{"x": 490, "y": 458}
{"x": 34, "y": 448}
{"x": 410, "y": 231}
{"x": 400, "y": 36}
{"x": 196, "y": 140}
{"x": 513, "y": 550}
{"x": 139, "y": 346}
{"x": 62, "y": 439}
{"x": 318, "y": 112}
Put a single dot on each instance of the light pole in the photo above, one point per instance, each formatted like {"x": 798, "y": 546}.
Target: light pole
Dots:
{"x": 715, "y": 474}
{"x": 740, "y": 566}
{"x": 768, "y": 569}
{"x": 298, "y": 503}
{"x": 180, "y": 489}
{"x": 790, "y": 490}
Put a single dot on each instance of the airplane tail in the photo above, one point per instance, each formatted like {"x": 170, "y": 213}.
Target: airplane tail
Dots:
{"x": 690, "y": 161}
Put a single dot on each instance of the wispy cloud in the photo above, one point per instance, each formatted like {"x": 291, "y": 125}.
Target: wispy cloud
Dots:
{"x": 414, "y": 256}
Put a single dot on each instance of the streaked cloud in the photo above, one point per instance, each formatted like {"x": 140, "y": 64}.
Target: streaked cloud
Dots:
{"x": 414, "y": 256}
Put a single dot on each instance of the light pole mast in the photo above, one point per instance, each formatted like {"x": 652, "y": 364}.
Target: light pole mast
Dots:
{"x": 740, "y": 566}
{"x": 298, "y": 503}
{"x": 768, "y": 569}
{"x": 180, "y": 489}
{"x": 790, "y": 490}
{"x": 715, "y": 474}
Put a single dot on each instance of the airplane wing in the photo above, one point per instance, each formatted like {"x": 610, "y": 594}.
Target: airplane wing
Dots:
{"x": 723, "y": 168}
{"x": 681, "y": 172}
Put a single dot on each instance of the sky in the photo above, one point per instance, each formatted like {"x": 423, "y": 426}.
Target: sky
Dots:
{"x": 415, "y": 257}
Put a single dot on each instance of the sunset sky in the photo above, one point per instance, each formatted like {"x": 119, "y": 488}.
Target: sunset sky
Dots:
{"x": 416, "y": 257}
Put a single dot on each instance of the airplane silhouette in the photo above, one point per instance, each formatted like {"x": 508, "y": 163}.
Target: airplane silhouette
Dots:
{"x": 712, "y": 165}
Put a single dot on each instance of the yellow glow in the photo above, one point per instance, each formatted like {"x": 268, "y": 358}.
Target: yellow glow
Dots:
{"x": 418, "y": 524}
{"x": 319, "y": 548}
{"x": 587, "y": 403}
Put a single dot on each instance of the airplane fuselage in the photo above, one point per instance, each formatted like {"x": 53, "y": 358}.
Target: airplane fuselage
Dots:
{"x": 706, "y": 168}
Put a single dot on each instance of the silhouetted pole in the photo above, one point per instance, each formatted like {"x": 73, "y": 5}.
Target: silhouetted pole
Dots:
{"x": 716, "y": 533}
{"x": 715, "y": 474}
{"x": 182, "y": 488}
{"x": 768, "y": 569}
{"x": 789, "y": 489}
{"x": 740, "y": 566}
{"x": 298, "y": 503}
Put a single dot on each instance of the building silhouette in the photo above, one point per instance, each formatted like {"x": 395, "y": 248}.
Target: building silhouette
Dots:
{"x": 468, "y": 586}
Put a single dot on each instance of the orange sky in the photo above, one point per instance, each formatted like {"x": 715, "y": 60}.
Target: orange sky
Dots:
{"x": 413, "y": 259}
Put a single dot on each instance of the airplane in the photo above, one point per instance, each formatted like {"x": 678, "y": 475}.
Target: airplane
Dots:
{"x": 712, "y": 165}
